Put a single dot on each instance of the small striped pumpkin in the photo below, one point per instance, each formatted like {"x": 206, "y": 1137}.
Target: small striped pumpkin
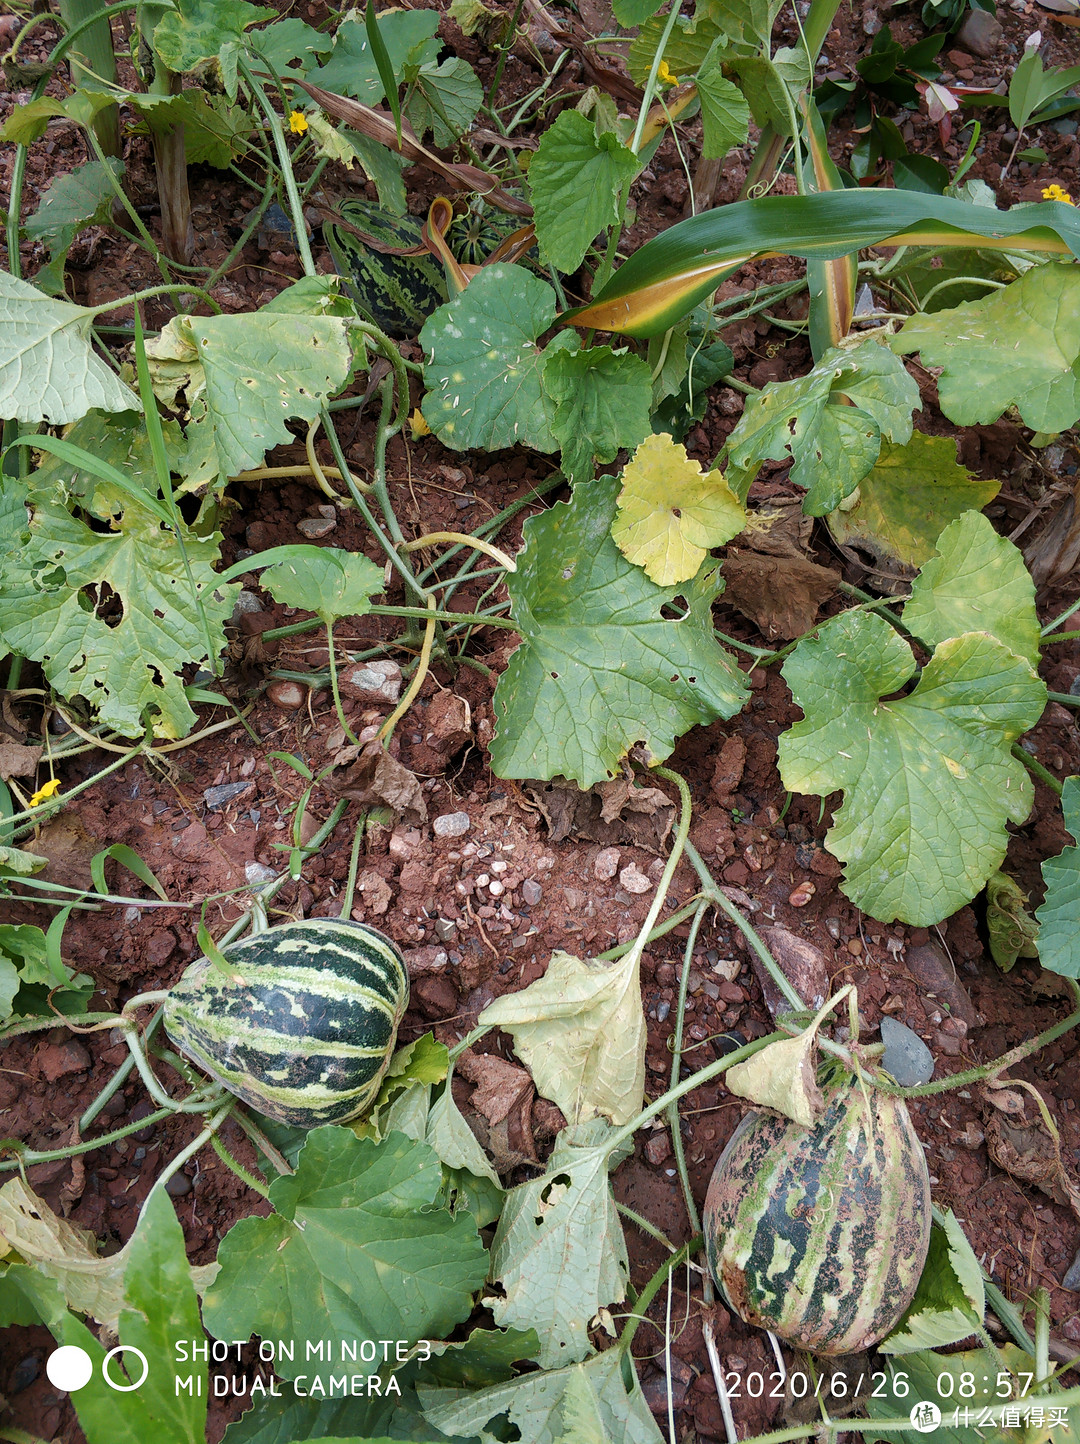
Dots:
{"x": 820, "y": 1234}
{"x": 304, "y": 1027}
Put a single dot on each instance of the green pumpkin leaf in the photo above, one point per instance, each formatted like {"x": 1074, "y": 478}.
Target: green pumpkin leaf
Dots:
{"x": 290, "y": 46}
{"x": 600, "y": 667}
{"x": 1017, "y": 347}
{"x": 559, "y": 1251}
{"x": 725, "y": 115}
{"x": 325, "y": 580}
{"x": 48, "y": 370}
{"x": 585, "y": 1403}
{"x": 977, "y": 583}
{"x": 126, "y": 665}
{"x": 355, "y": 1249}
{"x": 409, "y": 37}
{"x": 191, "y": 31}
{"x": 580, "y": 1030}
{"x": 685, "y": 51}
{"x": 576, "y": 183}
{"x": 949, "y": 1302}
{"x": 929, "y": 780}
{"x": 602, "y": 403}
{"x": 73, "y": 201}
{"x": 444, "y": 100}
{"x": 1059, "y": 916}
{"x": 484, "y": 377}
{"x": 28, "y": 123}
{"x": 244, "y": 376}
{"x": 908, "y": 497}
{"x": 832, "y": 445}
{"x": 671, "y": 513}
{"x": 215, "y": 132}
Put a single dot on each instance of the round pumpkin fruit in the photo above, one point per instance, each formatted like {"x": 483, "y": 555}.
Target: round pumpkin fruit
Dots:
{"x": 820, "y": 1234}
{"x": 303, "y": 1027}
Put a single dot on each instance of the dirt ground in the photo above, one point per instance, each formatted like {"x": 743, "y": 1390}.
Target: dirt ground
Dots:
{"x": 478, "y": 915}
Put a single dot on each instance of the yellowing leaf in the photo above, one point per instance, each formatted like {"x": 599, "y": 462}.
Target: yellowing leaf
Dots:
{"x": 671, "y": 513}
{"x": 781, "y": 1076}
{"x": 580, "y": 1029}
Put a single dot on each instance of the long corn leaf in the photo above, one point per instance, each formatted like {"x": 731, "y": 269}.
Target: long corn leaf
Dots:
{"x": 669, "y": 276}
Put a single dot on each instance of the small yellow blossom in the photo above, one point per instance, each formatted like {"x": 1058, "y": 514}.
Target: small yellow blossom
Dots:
{"x": 1055, "y": 193}
{"x": 417, "y": 425}
{"x": 298, "y": 122}
{"x": 665, "y": 76}
{"x": 49, "y": 789}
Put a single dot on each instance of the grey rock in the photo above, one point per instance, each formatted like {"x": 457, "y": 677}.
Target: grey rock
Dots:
{"x": 218, "y": 797}
{"x": 178, "y": 1185}
{"x": 906, "y": 1056}
{"x": 451, "y": 824}
{"x": 1071, "y": 1281}
{"x": 375, "y": 679}
{"x": 981, "y": 34}
{"x": 257, "y": 872}
{"x": 245, "y": 602}
{"x": 445, "y": 930}
{"x": 634, "y": 880}
{"x": 606, "y": 864}
{"x": 314, "y": 527}
{"x": 531, "y": 892}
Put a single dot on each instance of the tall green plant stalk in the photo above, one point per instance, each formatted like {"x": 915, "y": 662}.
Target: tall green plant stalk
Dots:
{"x": 94, "y": 58}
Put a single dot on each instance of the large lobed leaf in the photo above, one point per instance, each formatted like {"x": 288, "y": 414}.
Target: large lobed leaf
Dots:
{"x": 576, "y": 181}
{"x": 600, "y": 667}
{"x": 928, "y": 778}
{"x": 1016, "y": 347}
{"x": 354, "y": 1249}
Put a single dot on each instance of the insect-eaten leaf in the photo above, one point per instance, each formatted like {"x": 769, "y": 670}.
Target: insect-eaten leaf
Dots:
{"x": 832, "y": 445}
{"x": 929, "y": 779}
{"x": 671, "y": 512}
{"x": 600, "y": 667}
{"x": 1017, "y": 347}
{"x": 1059, "y": 916}
{"x": 906, "y": 500}
{"x": 580, "y": 1029}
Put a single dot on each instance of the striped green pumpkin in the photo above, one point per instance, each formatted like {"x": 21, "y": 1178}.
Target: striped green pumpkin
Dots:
{"x": 304, "y": 1028}
{"x": 820, "y": 1234}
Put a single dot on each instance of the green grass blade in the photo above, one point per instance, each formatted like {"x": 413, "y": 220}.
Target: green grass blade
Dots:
{"x": 383, "y": 65}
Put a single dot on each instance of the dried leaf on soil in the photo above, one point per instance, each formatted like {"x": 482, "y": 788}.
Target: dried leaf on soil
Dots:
{"x": 375, "y": 779}
{"x": 780, "y": 595}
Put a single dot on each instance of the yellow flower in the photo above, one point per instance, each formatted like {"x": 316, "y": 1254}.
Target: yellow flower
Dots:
{"x": 665, "y": 76}
{"x": 298, "y": 122}
{"x": 1055, "y": 193}
{"x": 49, "y": 789}
{"x": 417, "y": 425}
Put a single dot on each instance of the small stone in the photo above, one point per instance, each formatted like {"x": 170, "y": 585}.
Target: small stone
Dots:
{"x": 451, "y": 824}
{"x": 496, "y": 888}
{"x": 445, "y": 930}
{"x": 606, "y": 864}
{"x": 1071, "y": 1281}
{"x": 658, "y": 1148}
{"x": 59, "y": 1059}
{"x": 258, "y": 872}
{"x": 531, "y": 891}
{"x": 314, "y": 527}
{"x": 802, "y": 895}
{"x": 634, "y": 880}
{"x": 245, "y": 602}
{"x": 832, "y": 927}
{"x": 575, "y": 898}
{"x": 374, "y": 679}
{"x": 906, "y": 1056}
{"x": 217, "y": 797}
{"x": 289, "y": 696}
{"x": 178, "y": 1185}
{"x": 981, "y": 34}
{"x": 499, "y": 867}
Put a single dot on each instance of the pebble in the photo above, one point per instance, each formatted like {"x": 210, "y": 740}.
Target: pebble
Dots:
{"x": 906, "y": 1056}
{"x": 658, "y": 1148}
{"x": 314, "y": 527}
{"x": 634, "y": 880}
{"x": 531, "y": 891}
{"x": 24, "y": 1374}
{"x": 216, "y": 797}
{"x": 981, "y": 34}
{"x": 178, "y": 1185}
{"x": 1071, "y": 1281}
{"x": 832, "y": 927}
{"x": 606, "y": 864}
{"x": 802, "y": 895}
{"x": 256, "y": 872}
{"x": 445, "y": 930}
{"x": 289, "y": 696}
{"x": 376, "y": 679}
{"x": 575, "y": 898}
{"x": 496, "y": 888}
{"x": 451, "y": 824}
{"x": 245, "y": 602}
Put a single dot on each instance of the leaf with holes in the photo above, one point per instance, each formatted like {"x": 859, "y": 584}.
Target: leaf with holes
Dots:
{"x": 929, "y": 781}
{"x": 243, "y": 377}
{"x": 484, "y": 375}
{"x": 832, "y": 445}
{"x": 671, "y": 513}
{"x": 600, "y": 667}
{"x": 1017, "y": 347}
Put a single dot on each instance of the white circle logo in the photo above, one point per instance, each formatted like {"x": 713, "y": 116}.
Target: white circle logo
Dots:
{"x": 128, "y": 1349}
{"x": 925, "y": 1417}
{"x": 69, "y": 1368}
